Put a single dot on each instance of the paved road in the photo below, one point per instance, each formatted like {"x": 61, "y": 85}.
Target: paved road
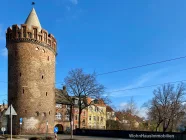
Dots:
{"x": 67, "y": 137}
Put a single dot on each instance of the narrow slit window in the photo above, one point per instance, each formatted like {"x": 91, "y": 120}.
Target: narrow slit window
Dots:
{"x": 49, "y": 112}
{"x": 46, "y": 93}
{"x": 42, "y": 77}
{"x": 20, "y": 74}
{"x": 23, "y": 90}
{"x": 37, "y": 113}
{"x": 48, "y": 58}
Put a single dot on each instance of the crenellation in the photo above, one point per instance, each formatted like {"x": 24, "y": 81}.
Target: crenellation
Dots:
{"x": 18, "y": 32}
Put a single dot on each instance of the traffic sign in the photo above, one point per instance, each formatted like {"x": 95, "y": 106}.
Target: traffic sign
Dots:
{"x": 55, "y": 129}
{"x": 3, "y": 129}
{"x": 10, "y": 111}
{"x": 21, "y": 120}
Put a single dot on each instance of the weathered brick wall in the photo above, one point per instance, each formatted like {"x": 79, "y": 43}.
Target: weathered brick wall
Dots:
{"x": 31, "y": 85}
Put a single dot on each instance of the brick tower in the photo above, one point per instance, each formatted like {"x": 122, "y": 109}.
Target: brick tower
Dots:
{"x": 31, "y": 76}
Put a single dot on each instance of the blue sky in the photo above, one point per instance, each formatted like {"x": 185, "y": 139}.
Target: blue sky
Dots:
{"x": 107, "y": 35}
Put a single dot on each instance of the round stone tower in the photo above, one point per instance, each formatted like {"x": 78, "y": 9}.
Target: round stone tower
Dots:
{"x": 31, "y": 76}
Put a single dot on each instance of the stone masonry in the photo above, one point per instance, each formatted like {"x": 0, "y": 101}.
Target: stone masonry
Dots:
{"x": 31, "y": 77}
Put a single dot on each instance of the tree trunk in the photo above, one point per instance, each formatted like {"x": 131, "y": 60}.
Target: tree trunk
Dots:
{"x": 79, "y": 119}
{"x": 158, "y": 126}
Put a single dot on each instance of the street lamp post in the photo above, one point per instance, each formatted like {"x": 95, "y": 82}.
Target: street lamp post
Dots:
{"x": 47, "y": 128}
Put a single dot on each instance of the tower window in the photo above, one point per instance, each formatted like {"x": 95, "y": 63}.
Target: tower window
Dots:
{"x": 49, "y": 112}
{"x": 25, "y": 111}
{"x": 43, "y": 50}
{"x": 46, "y": 93}
{"x": 42, "y": 77}
{"x": 44, "y": 114}
{"x": 37, "y": 113}
{"x": 48, "y": 58}
{"x": 23, "y": 90}
{"x": 20, "y": 74}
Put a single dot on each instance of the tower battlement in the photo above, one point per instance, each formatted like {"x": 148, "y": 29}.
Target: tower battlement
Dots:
{"x": 25, "y": 33}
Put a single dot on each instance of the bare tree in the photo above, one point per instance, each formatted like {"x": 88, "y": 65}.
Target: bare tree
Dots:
{"x": 166, "y": 107}
{"x": 81, "y": 86}
{"x": 131, "y": 107}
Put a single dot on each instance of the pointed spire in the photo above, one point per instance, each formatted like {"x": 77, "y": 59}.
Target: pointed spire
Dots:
{"x": 32, "y": 19}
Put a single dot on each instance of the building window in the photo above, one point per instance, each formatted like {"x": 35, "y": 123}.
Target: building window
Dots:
{"x": 49, "y": 112}
{"x": 42, "y": 76}
{"x": 67, "y": 117}
{"x": 37, "y": 113}
{"x": 89, "y": 118}
{"x": 59, "y": 105}
{"x": 46, "y": 93}
{"x": 48, "y": 58}
{"x": 35, "y": 33}
{"x": 58, "y": 116}
{"x": 43, "y": 51}
{"x": 94, "y": 118}
{"x": 25, "y": 111}
{"x": 76, "y": 101}
{"x": 20, "y": 74}
{"x": 23, "y": 90}
{"x": 76, "y": 117}
{"x": 101, "y": 119}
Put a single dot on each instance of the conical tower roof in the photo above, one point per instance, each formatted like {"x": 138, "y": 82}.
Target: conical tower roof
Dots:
{"x": 32, "y": 19}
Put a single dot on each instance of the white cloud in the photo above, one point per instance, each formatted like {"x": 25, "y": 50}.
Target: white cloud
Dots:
{"x": 75, "y": 2}
{"x": 142, "y": 112}
{"x": 139, "y": 82}
{"x": 123, "y": 105}
{"x": 4, "y": 52}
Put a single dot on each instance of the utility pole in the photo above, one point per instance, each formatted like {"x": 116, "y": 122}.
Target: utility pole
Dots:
{"x": 47, "y": 129}
{"x": 71, "y": 120}
{"x": 10, "y": 111}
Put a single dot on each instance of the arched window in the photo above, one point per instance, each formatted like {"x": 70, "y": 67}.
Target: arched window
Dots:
{"x": 37, "y": 113}
{"x": 58, "y": 116}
